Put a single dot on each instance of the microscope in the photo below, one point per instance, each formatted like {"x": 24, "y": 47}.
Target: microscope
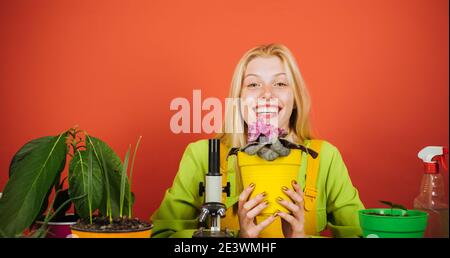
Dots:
{"x": 213, "y": 209}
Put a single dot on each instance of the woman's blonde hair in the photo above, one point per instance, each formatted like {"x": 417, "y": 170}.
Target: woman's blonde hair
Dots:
{"x": 299, "y": 123}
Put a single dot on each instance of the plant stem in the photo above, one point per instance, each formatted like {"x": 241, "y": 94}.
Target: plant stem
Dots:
{"x": 89, "y": 190}
{"x": 49, "y": 216}
{"x": 123, "y": 179}
{"x": 131, "y": 177}
{"x": 108, "y": 194}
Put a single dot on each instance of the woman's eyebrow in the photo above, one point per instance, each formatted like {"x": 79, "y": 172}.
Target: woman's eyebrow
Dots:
{"x": 256, "y": 75}
{"x": 251, "y": 74}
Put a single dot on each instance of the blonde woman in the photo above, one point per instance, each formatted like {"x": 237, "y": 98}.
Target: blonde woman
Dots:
{"x": 322, "y": 197}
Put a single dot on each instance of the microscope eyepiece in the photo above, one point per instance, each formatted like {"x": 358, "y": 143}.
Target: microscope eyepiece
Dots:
{"x": 214, "y": 157}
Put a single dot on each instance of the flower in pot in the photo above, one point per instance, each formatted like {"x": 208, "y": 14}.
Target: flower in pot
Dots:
{"x": 393, "y": 222}
{"x": 270, "y": 161}
{"x": 35, "y": 175}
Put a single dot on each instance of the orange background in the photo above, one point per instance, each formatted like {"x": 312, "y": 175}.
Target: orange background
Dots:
{"x": 377, "y": 72}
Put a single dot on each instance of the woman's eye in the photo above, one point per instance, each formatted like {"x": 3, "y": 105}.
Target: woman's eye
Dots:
{"x": 280, "y": 84}
{"x": 251, "y": 85}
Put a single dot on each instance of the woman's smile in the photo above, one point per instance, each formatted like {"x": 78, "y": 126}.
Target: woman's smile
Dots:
{"x": 267, "y": 110}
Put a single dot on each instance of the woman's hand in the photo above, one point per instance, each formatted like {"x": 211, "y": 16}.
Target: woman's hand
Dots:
{"x": 293, "y": 224}
{"x": 248, "y": 210}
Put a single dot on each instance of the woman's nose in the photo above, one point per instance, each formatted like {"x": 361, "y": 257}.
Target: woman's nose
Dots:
{"x": 267, "y": 94}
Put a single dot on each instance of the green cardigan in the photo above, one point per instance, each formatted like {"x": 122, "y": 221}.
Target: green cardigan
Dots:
{"x": 337, "y": 201}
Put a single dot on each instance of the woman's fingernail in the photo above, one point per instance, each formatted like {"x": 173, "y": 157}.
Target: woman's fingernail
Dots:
{"x": 266, "y": 202}
{"x": 294, "y": 182}
{"x": 252, "y": 185}
{"x": 263, "y": 194}
{"x": 284, "y": 188}
{"x": 279, "y": 199}
{"x": 276, "y": 213}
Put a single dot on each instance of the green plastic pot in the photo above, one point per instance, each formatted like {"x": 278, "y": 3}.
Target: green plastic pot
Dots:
{"x": 392, "y": 223}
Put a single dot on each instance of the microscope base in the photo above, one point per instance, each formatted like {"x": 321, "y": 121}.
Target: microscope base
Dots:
{"x": 207, "y": 233}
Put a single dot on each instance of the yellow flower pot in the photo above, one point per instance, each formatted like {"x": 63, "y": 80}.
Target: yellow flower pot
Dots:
{"x": 270, "y": 176}
{"x": 78, "y": 233}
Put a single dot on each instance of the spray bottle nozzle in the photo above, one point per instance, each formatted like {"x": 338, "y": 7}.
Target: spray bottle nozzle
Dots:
{"x": 433, "y": 156}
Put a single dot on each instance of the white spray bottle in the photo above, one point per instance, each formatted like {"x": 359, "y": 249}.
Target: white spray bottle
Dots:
{"x": 432, "y": 191}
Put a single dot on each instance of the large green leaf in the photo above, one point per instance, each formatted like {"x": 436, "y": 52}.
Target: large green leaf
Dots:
{"x": 33, "y": 171}
{"x": 113, "y": 172}
{"x": 78, "y": 183}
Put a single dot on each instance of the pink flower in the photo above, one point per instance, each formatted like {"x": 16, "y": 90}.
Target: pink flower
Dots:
{"x": 263, "y": 128}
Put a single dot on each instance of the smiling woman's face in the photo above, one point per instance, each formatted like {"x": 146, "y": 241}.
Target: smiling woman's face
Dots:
{"x": 266, "y": 93}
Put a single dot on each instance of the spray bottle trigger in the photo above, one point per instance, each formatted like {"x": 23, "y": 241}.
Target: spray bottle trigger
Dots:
{"x": 442, "y": 158}
{"x": 442, "y": 162}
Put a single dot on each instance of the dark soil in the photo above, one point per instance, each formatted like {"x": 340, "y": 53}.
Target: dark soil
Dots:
{"x": 386, "y": 215}
{"x": 102, "y": 224}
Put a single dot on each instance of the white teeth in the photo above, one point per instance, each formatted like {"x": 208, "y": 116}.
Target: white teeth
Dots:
{"x": 267, "y": 110}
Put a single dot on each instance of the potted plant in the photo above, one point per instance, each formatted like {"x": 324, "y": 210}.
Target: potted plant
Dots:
{"x": 35, "y": 175}
{"x": 393, "y": 222}
{"x": 110, "y": 224}
{"x": 270, "y": 161}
